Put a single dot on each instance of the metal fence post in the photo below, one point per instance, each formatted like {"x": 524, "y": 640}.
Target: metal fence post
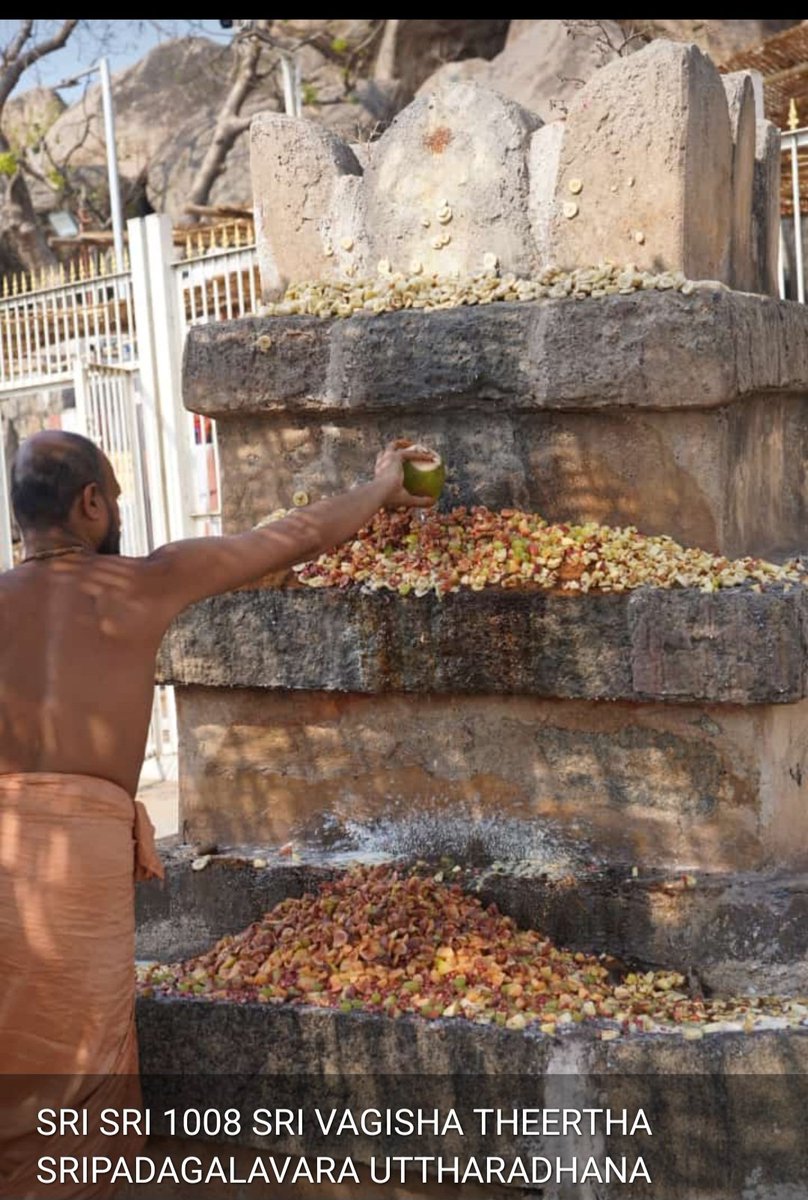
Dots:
{"x": 795, "y": 199}
{"x": 6, "y": 553}
{"x": 80, "y": 393}
{"x": 168, "y": 339}
{"x": 148, "y": 382}
{"x": 167, "y": 452}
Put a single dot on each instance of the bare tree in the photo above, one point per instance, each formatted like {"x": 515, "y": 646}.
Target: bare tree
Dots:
{"x": 256, "y": 51}
{"x": 22, "y": 242}
{"x": 229, "y": 122}
{"x": 259, "y": 50}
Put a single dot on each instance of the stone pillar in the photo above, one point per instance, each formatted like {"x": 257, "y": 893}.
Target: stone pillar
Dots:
{"x": 646, "y": 167}
{"x": 741, "y": 103}
{"x": 545, "y": 154}
{"x": 766, "y": 207}
{"x": 447, "y": 185}
{"x": 307, "y": 217}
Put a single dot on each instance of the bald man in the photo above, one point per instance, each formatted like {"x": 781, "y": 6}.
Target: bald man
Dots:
{"x": 80, "y": 627}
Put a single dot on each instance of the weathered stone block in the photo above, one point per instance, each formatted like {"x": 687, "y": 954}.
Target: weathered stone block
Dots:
{"x": 471, "y": 771}
{"x": 543, "y": 161}
{"x": 301, "y": 201}
{"x": 725, "y": 1112}
{"x": 728, "y": 480}
{"x": 766, "y": 207}
{"x": 649, "y": 140}
{"x": 746, "y": 647}
{"x": 743, "y": 122}
{"x": 651, "y": 350}
{"x": 733, "y": 647}
{"x": 493, "y": 777}
{"x": 452, "y": 168}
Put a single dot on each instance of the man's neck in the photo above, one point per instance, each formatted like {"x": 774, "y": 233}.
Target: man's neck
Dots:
{"x": 52, "y": 543}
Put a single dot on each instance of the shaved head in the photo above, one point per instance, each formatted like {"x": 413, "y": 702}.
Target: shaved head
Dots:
{"x": 49, "y": 471}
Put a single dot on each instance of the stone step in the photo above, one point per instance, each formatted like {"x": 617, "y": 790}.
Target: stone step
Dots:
{"x": 725, "y": 1113}
{"x": 649, "y": 350}
{"x": 735, "y": 933}
{"x": 735, "y": 646}
{"x": 685, "y": 415}
{"x": 666, "y": 728}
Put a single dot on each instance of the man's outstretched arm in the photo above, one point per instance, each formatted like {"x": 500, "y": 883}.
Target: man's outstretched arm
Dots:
{"x": 186, "y": 571}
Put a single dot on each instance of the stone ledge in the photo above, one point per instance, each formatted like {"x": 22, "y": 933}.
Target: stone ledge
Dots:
{"x": 723, "y": 1111}
{"x": 734, "y": 647}
{"x": 651, "y": 350}
{"x": 203, "y": 1037}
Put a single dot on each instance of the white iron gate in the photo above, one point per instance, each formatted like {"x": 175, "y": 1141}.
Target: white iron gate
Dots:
{"x": 107, "y": 412}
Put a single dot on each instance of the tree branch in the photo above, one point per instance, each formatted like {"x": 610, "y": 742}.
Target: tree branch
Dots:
{"x": 50, "y": 45}
{"x": 12, "y": 52}
{"x": 229, "y": 125}
{"x": 245, "y": 78}
{"x": 238, "y": 125}
{"x": 16, "y": 66}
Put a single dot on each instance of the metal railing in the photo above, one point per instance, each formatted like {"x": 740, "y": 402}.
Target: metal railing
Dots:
{"x": 88, "y": 313}
{"x": 217, "y": 282}
{"x": 217, "y": 275}
{"x": 791, "y": 267}
{"x": 49, "y": 319}
{"x": 47, "y": 322}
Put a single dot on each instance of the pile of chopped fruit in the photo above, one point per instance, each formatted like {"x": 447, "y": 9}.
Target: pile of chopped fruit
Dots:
{"x": 408, "y": 552}
{"x": 393, "y": 290}
{"x": 381, "y": 940}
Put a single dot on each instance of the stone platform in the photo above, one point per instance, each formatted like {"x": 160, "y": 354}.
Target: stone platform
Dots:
{"x": 685, "y": 415}
{"x": 624, "y": 772}
{"x": 735, "y": 1101}
{"x": 662, "y": 728}
{"x": 735, "y": 646}
{"x": 666, "y": 728}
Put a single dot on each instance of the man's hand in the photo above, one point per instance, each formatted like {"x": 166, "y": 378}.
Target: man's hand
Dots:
{"x": 390, "y": 467}
{"x": 183, "y": 572}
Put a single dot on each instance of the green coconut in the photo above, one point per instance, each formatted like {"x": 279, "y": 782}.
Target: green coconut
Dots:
{"x": 423, "y": 478}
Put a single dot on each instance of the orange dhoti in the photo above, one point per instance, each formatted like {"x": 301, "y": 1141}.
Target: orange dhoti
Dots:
{"x": 71, "y": 847}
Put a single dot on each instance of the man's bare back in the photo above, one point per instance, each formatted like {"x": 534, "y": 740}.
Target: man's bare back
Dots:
{"x": 80, "y": 629}
{"x": 78, "y": 639}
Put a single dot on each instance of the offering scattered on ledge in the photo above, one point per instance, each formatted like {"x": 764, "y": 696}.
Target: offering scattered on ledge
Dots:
{"x": 382, "y": 940}
{"x": 391, "y": 291}
{"x": 477, "y": 548}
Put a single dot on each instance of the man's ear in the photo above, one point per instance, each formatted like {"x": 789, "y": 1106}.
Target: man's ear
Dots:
{"x": 91, "y": 502}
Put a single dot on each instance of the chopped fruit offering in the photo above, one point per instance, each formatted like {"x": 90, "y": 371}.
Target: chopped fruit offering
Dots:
{"x": 476, "y": 548}
{"x": 392, "y": 290}
{"x": 385, "y": 940}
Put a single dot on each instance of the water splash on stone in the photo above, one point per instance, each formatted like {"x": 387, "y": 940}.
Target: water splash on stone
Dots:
{"x": 464, "y": 836}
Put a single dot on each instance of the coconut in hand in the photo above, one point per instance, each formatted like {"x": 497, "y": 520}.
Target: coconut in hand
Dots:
{"x": 424, "y": 476}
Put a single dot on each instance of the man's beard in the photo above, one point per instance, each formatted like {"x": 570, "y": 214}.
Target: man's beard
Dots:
{"x": 112, "y": 540}
{"x": 111, "y": 543}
